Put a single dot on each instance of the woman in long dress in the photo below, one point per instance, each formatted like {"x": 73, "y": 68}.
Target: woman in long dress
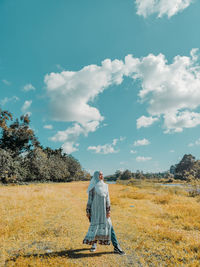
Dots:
{"x": 98, "y": 212}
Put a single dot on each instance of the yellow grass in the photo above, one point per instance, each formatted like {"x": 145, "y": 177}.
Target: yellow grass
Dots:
{"x": 44, "y": 225}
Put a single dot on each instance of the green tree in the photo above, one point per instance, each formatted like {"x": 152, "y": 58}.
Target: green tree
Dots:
{"x": 18, "y": 137}
{"x": 118, "y": 174}
{"x": 126, "y": 175}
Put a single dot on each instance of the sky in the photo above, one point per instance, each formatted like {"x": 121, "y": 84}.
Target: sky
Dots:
{"x": 115, "y": 83}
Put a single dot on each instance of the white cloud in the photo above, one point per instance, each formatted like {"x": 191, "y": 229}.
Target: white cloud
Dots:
{"x": 8, "y": 99}
{"x": 116, "y": 140}
{"x": 141, "y": 158}
{"x": 6, "y": 82}
{"x": 28, "y": 87}
{"x": 71, "y": 134}
{"x": 178, "y": 121}
{"x": 142, "y": 142}
{"x": 172, "y": 151}
{"x": 48, "y": 126}
{"x": 26, "y": 106}
{"x": 103, "y": 149}
{"x": 107, "y": 148}
{"x": 133, "y": 151}
{"x": 69, "y": 147}
{"x": 171, "y": 92}
{"x": 70, "y": 92}
{"x": 196, "y": 143}
{"x": 170, "y": 8}
{"x": 144, "y": 121}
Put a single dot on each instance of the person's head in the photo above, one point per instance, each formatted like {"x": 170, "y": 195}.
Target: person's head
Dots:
{"x": 100, "y": 175}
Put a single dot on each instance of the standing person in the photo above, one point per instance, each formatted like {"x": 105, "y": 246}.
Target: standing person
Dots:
{"x": 98, "y": 213}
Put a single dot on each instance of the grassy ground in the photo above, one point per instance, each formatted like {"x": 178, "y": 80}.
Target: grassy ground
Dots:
{"x": 44, "y": 225}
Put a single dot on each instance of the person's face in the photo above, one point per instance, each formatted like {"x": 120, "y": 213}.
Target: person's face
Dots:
{"x": 101, "y": 176}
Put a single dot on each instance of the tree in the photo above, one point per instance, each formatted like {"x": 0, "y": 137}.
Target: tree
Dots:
{"x": 126, "y": 175}
{"x": 10, "y": 167}
{"x": 36, "y": 162}
{"x": 184, "y": 166}
{"x": 5, "y": 116}
{"x": 23, "y": 158}
{"x": 118, "y": 174}
{"x": 18, "y": 137}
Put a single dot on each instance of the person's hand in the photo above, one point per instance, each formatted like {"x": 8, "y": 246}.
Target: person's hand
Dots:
{"x": 108, "y": 214}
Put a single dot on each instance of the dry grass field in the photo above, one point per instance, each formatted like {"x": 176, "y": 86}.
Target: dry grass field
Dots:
{"x": 44, "y": 225}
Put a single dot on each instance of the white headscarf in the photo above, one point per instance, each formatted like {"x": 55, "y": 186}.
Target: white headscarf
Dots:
{"x": 100, "y": 187}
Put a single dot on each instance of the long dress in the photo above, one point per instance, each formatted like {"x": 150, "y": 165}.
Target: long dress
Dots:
{"x": 100, "y": 226}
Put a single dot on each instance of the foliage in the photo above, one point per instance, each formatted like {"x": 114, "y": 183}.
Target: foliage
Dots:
{"x": 24, "y": 159}
{"x": 187, "y": 169}
{"x": 10, "y": 168}
{"x": 5, "y": 116}
{"x": 18, "y": 137}
{"x": 126, "y": 175}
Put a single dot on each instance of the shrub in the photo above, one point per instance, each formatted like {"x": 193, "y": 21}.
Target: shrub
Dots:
{"x": 10, "y": 167}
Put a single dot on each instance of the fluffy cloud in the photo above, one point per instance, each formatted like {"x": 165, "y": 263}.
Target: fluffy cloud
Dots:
{"x": 144, "y": 121}
{"x": 103, "y": 149}
{"x": 8, "y": 99}
{"x": 26, "y": 106}
{"x": 28, "y": 87}
{"x": 69, "y": 147}
{"x": 71, "y": 134}
{"x": 161, "y": 7}
{"x": 48, "y": 126}
{"x": 171, "y": 92}
{"x": 141, "y": 158}
{"x": 142, "y": 142}
{"x": 107, "y": 148}
{"x": 178, "y": 121}
{"x": 70, "y": 92}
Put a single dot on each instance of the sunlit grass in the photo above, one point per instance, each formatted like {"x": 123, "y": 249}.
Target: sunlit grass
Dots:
{"x": 44, "y": 225}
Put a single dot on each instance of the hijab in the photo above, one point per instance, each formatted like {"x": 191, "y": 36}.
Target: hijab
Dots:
{"x": 100, "y": 187}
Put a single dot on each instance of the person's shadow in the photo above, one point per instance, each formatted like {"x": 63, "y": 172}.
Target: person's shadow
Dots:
{"x": 71, "y": 253}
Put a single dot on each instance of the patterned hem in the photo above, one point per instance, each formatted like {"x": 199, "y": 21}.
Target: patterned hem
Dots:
{"x": 101, "y": 242}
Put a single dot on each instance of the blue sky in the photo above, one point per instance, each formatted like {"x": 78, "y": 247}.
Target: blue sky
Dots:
{"x": 115, "y": 83}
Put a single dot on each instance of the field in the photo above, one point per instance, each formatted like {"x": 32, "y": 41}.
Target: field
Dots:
{"x": 44, "y": 225}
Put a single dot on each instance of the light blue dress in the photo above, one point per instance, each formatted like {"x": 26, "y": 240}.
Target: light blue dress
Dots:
{"x": 100, "y": 226}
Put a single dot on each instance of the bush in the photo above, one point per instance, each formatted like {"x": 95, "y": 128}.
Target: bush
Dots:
{"x": 126, "y": 175}
{"x": 10, "y": 167}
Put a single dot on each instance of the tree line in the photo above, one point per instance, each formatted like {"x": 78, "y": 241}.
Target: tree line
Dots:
{"x": 187, "y": 169}
{"x": 127, "y": 175}
{"x": 23, "y": 158}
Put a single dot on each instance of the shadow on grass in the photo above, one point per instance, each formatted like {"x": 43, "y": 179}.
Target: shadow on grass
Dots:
{"x": 71, "y": 253}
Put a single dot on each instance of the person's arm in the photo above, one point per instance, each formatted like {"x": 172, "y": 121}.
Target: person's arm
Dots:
{"x": 89, "y": 203}
{"x": 108, "y": 205}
